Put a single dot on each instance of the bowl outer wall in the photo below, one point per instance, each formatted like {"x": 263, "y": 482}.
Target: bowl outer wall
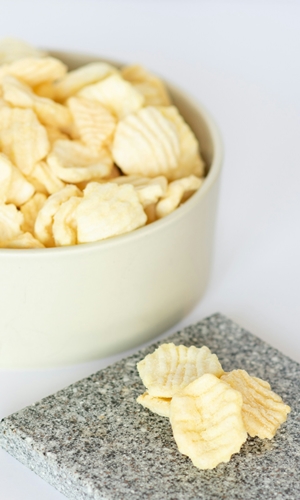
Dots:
{"x": 70, "y": 305}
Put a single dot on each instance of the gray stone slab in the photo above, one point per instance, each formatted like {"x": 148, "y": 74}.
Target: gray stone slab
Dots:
{"x": 93, "y": 441}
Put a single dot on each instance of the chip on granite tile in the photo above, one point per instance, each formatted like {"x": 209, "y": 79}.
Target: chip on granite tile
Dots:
{"x": 93, "y": 441}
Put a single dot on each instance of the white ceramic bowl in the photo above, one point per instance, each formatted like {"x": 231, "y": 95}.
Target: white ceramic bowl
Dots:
{"x": 69, "y": 305}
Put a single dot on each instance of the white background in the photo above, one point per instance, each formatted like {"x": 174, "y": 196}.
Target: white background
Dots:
{"x": 242, "y": 60}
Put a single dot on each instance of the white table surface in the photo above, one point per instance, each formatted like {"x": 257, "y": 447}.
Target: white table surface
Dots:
{"x": 242, "y": 60}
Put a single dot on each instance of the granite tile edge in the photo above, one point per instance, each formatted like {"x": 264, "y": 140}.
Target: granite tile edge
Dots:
{"x": 62, "y": 480}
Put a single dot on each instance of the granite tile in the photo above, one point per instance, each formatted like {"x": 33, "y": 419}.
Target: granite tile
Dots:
{"x": 92, "y": 440}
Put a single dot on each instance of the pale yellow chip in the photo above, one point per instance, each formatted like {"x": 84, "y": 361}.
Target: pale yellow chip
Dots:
{"x": 148, "y": 190}
{"x": 22, "y": 138}
{"x": 5, "y": 176}
{"x": 48, "y": 112}
{"x": 64, "y": 227}
{"x": 161, "y": 406}
{"x": 81, "y": 77}
{"x": 11, "y": 220}
{"x": 170, "y": 368}
{"x": 206, "y": 419}
{"x": 190, "y": 162}
{"x": 72, "y": 161}
{"x": 108, "y": 210}
{"x": 95, "y": 123}
{"x": 12, "y": 49}
{"x": 119, "y": 96}
{"x": 175, "y": 193}
{"x": 23, "y": 241}
{"x": 263, "y": 411}
{"x": 45, "y": 217}
{"x": 146, "y": 143}
{"x": 45, "y": 176}
{"x": 45, "y": 89}
{"x": 30, "y": 209}
{"x": 151, "y": 87}
{"x": 34, "y": 70}
{"x": 54, "y": 134}
{"x": 14, "y": 187}
{"x": 150, "y": 211}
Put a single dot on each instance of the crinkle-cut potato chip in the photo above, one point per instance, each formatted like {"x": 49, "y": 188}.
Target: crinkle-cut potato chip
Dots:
{"x": 22, "y": 138}
{"x": 72, "y": 161}
{"x": 206, "y": 420}
{"x": 34, "y": 70}
{"x": 175, "y": 192}
{"x": 11, "y": 220}
{"x": 119, "y": 96}
{"x": 64, "y": 227}
{"x": 14, "y": 188}
{"x": 115, "y": 172}
{"x": 161, "y": 406}
{"x": 151, "y": 87}
{"x": 263, "y": 411}
{"x": 5, "y": 176}
{"x": 12, "y": 49}
{"x": 30, "y": 209}
{"x": 22, "y": 241}
{"x": 108, "y": 210}
{"x": 44, "y": 219}
{"x": 150, "y": 211}
{"x": 45, "y": 89}
{"x": 95, "y": 123}
{"x": 149, "y": 190}
{"x": 48, "y": 112}
{"x": 170, "y": 368}
{"x": 54, "y": 134}
{"x": 45, "y": 176}
{"x": 146, "y": 143}
{"x": 81, "y": 77}
{"x": 3, "y": 103}
{"x": 190, "y": 161}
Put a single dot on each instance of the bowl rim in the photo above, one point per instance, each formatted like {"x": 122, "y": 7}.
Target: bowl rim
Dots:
{"x": 161, "y": 224}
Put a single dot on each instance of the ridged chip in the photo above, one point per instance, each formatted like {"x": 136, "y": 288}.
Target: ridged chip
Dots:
{"x": 151, "y": 87}
{"x": 171, "y": 368}
{"x": 148, "y": 190}
{"x": 119, "y": 96}
{"x": 175, "y": 193}
{"x": 263, "y": 411}
{"x": 45, "y": 176}
{"x": 190, "y": 161}
{"x": 108, "y": 210}
{"x": 23, "y": 241}
{"x": 72, "y": 161}
{"x": 146, "y": 143}
{"x": 45, "y": 217}
{"x": 207, "y": 422}
{"x": 14, "y": 188}
{"x": 22, "y": 138}
{"x": 64, "y": 227}
{"x": 75, "y": 80}
{"x": 12, "y": 49}
{"x": 11, "y": 220}
{"x": 54, "y": 134}
{"x": 30, "y": 209}
{"x": 94, "y": 122}
{"x": 48, "y": 112}
{"x": 161, "y": 406}
{"x": 34, "y": 70}
{"x": 45, "y": 89}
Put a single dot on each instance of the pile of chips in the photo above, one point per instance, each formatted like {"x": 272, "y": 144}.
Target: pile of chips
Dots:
{"x": 87, "y": 154}
{"x": 210, "y": 411}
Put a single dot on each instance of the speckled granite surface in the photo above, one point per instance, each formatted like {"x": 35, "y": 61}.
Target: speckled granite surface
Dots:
{"x": 92, "y": 441}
